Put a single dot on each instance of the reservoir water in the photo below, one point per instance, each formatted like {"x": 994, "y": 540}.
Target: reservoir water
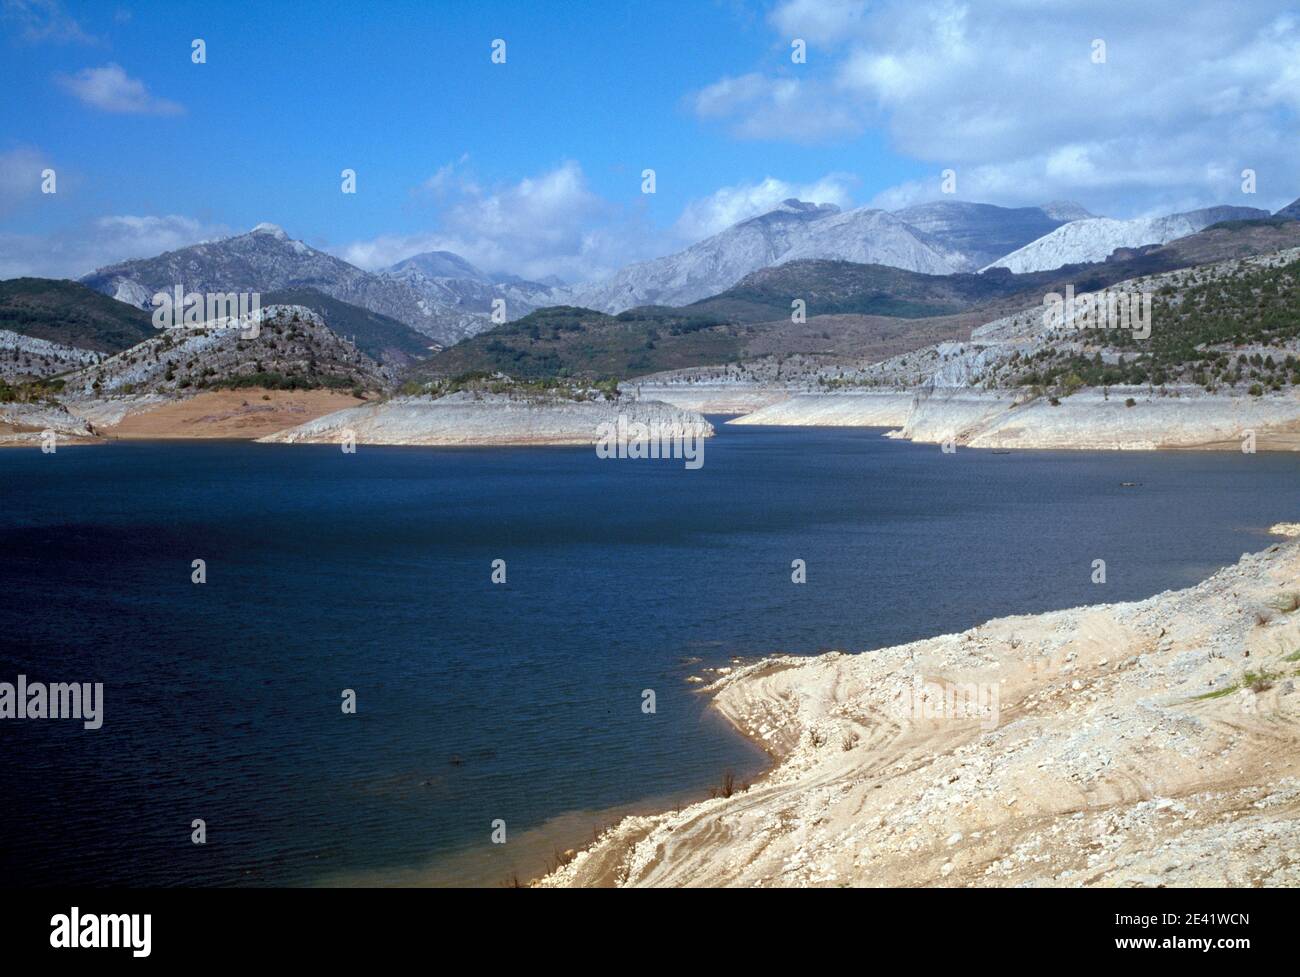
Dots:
{"x": 519, "y": 701}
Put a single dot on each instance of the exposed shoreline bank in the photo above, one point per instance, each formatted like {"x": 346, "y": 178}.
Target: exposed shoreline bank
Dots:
{"x": 1116, "y": 419}
{"x": 1142, "y": 743}
{"x": 331, "y": 417}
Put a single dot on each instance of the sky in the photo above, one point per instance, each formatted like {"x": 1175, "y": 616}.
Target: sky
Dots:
{"x": 534, "y": 166}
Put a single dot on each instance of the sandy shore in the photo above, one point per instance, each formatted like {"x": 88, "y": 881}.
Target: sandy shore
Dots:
{"x": 248, "y": 413}
{"x": 1151, "y": 743}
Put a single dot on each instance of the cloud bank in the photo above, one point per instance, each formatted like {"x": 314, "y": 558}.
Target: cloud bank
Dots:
{"x": 1013, "y": 96}
{"x": 80, "y": 249}
{"x": 554, "y": 225}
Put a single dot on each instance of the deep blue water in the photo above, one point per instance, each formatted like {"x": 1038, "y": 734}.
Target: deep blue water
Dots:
{"x": 371, "y": 572}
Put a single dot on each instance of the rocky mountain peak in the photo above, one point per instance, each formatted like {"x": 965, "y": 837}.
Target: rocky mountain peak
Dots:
{"x": 1065, "y": 210}
{"x": 793, "y": 205}
{"x": 274, "y": 230}
{"x": 438, "y": 264}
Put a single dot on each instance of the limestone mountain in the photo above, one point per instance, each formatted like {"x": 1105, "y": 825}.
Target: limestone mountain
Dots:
{"x": 1095, "y": 238}
{"x": 795, "y": 230}
{"x": 266, "y": 260}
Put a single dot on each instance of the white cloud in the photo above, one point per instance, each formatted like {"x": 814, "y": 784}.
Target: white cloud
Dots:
{"x": 44, "y": 20}
{"x": 111, "y": 89}
{"x": 79, "y": 250}
{"x": 1006, "y": 93}
{"x": 548, "y": 224}
{"x": 783, "y": 107}
{"x": 724, "y": 207}
{"x": 450, "y": 179}
{"x": 818, "y": 21}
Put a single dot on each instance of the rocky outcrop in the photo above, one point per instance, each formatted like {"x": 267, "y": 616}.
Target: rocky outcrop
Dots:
{"x": 286, "y": 343}
{"x": 37, "y": 425}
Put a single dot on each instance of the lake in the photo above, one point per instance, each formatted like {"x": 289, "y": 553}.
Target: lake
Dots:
{"x": 520, "y": 701}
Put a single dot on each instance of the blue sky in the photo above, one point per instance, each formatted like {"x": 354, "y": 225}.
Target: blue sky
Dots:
{"x": 535, "y": 165}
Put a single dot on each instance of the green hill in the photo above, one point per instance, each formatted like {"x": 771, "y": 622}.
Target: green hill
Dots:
{"x": 71, "y": 314}
{"x": 564, "y": 341}
{"x": 843, "y": 287}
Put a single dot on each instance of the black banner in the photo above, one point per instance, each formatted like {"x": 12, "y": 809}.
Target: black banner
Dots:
{"x": 206, "y": 926}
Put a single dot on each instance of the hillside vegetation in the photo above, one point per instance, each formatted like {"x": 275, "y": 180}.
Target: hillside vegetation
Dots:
{"x": 71, "y": 314}
{"x": 1242, "y": 328}
{"x": 564, "y": 341}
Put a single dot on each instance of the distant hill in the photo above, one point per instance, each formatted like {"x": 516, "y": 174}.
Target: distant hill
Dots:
{"x": 71, "y": 314}
{"x": 934, "y": 238}
{"x": 440, "y": 264}
{"x": 381, "y": 337}
{"x": 585, "y": 344}
{"x": 843, "y": 287}
{"x": 565, "y": 341}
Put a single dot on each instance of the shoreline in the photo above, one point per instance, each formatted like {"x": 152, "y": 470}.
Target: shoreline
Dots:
{"x": 1117, "y": 419}
{"x": 1127, "y": 752}
{"x": 1090, "y": 419}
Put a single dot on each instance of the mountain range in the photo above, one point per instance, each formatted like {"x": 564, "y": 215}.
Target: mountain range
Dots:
{"x": 860, "y": 307}
{"x": 867, "y": 311}
{"x": 935, "y": 239}
{"x": 445, "y": 298}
